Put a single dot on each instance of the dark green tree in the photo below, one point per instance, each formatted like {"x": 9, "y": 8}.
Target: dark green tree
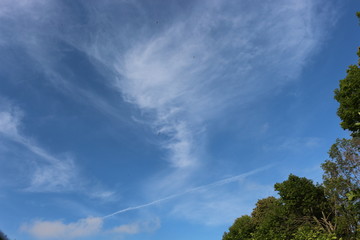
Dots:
{"x": 348, "y": 95}
{"x": 3, "y": 236}
{"x": 302, "y": 198}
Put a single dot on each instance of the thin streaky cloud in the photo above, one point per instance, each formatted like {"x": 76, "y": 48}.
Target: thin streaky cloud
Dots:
{"x": 195, "y": 189}
{"x": 10, "y": 120}
{"x": 50, "y": 173}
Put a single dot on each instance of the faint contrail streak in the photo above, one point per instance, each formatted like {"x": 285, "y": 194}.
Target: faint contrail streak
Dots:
{"x": 210, "y": 185}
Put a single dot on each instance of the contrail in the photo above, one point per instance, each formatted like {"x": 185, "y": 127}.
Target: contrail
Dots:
{"x": 206, "y": 186}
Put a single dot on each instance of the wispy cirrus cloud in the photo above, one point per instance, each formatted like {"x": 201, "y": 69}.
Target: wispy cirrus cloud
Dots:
{"x": 178, "y": 75}
{"x": 175, "y": 73}
{"x": 51, "y": 173}
{"x": 47, "y": 172}
{"x": 221, "y": 56}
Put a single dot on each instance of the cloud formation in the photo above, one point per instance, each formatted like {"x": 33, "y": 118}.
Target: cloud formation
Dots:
{"x": 59, "y": 230}
{"x": 198, "y": 67}
{"x": 185, "y": 73}
{"x": 84, "y": 227}
{"x": 51, "y": 173}
{"x": 138, "y": 227}
{"x": 9, "y": 120}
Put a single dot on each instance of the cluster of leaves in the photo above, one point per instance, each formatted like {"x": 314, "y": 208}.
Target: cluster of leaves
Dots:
{"x": 305, "y": 211}
{"x": 313, "y": 234}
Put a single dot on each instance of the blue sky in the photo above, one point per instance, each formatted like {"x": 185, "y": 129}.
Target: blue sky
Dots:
{"x": 162, "y": 119}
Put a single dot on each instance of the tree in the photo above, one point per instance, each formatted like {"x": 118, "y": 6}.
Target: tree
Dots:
{"x": 270, "y": 219}
{"x": 342, "y": 185}
{"x": 3, "y": 236}
{"x": 302, "y": 198}
{"x": 242, "y": 229}
{"x": 298, "y": 212}
{"x": 348, "y": 95}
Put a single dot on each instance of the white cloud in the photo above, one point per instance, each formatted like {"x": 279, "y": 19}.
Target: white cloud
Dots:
{"x": 84, "y": 227}
{"x": 59, "y": 230}
{"x": 9, "y": 119}
{"x": 56, "y": 176}
{"x": 137, "y": 227}
{"x": 100, "y": 193}
{"x": 200, "y": 65}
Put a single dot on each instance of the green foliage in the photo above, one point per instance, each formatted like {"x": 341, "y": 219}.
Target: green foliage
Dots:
{"x": 281, "y": 218}
{"x": 270, "y": 219}
{"x": 342, "y": 185}
{"x": 265, "y": 209}
{"x": 301, "y": 197}
{"x": 315, "y": 233}
{"x": 241, "y": 229}
{"x": 348, "y": 95}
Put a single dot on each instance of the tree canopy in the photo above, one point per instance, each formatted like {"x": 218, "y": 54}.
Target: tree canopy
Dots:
{"x": 301, "y": 210}
{"x": 348, "y": 95}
